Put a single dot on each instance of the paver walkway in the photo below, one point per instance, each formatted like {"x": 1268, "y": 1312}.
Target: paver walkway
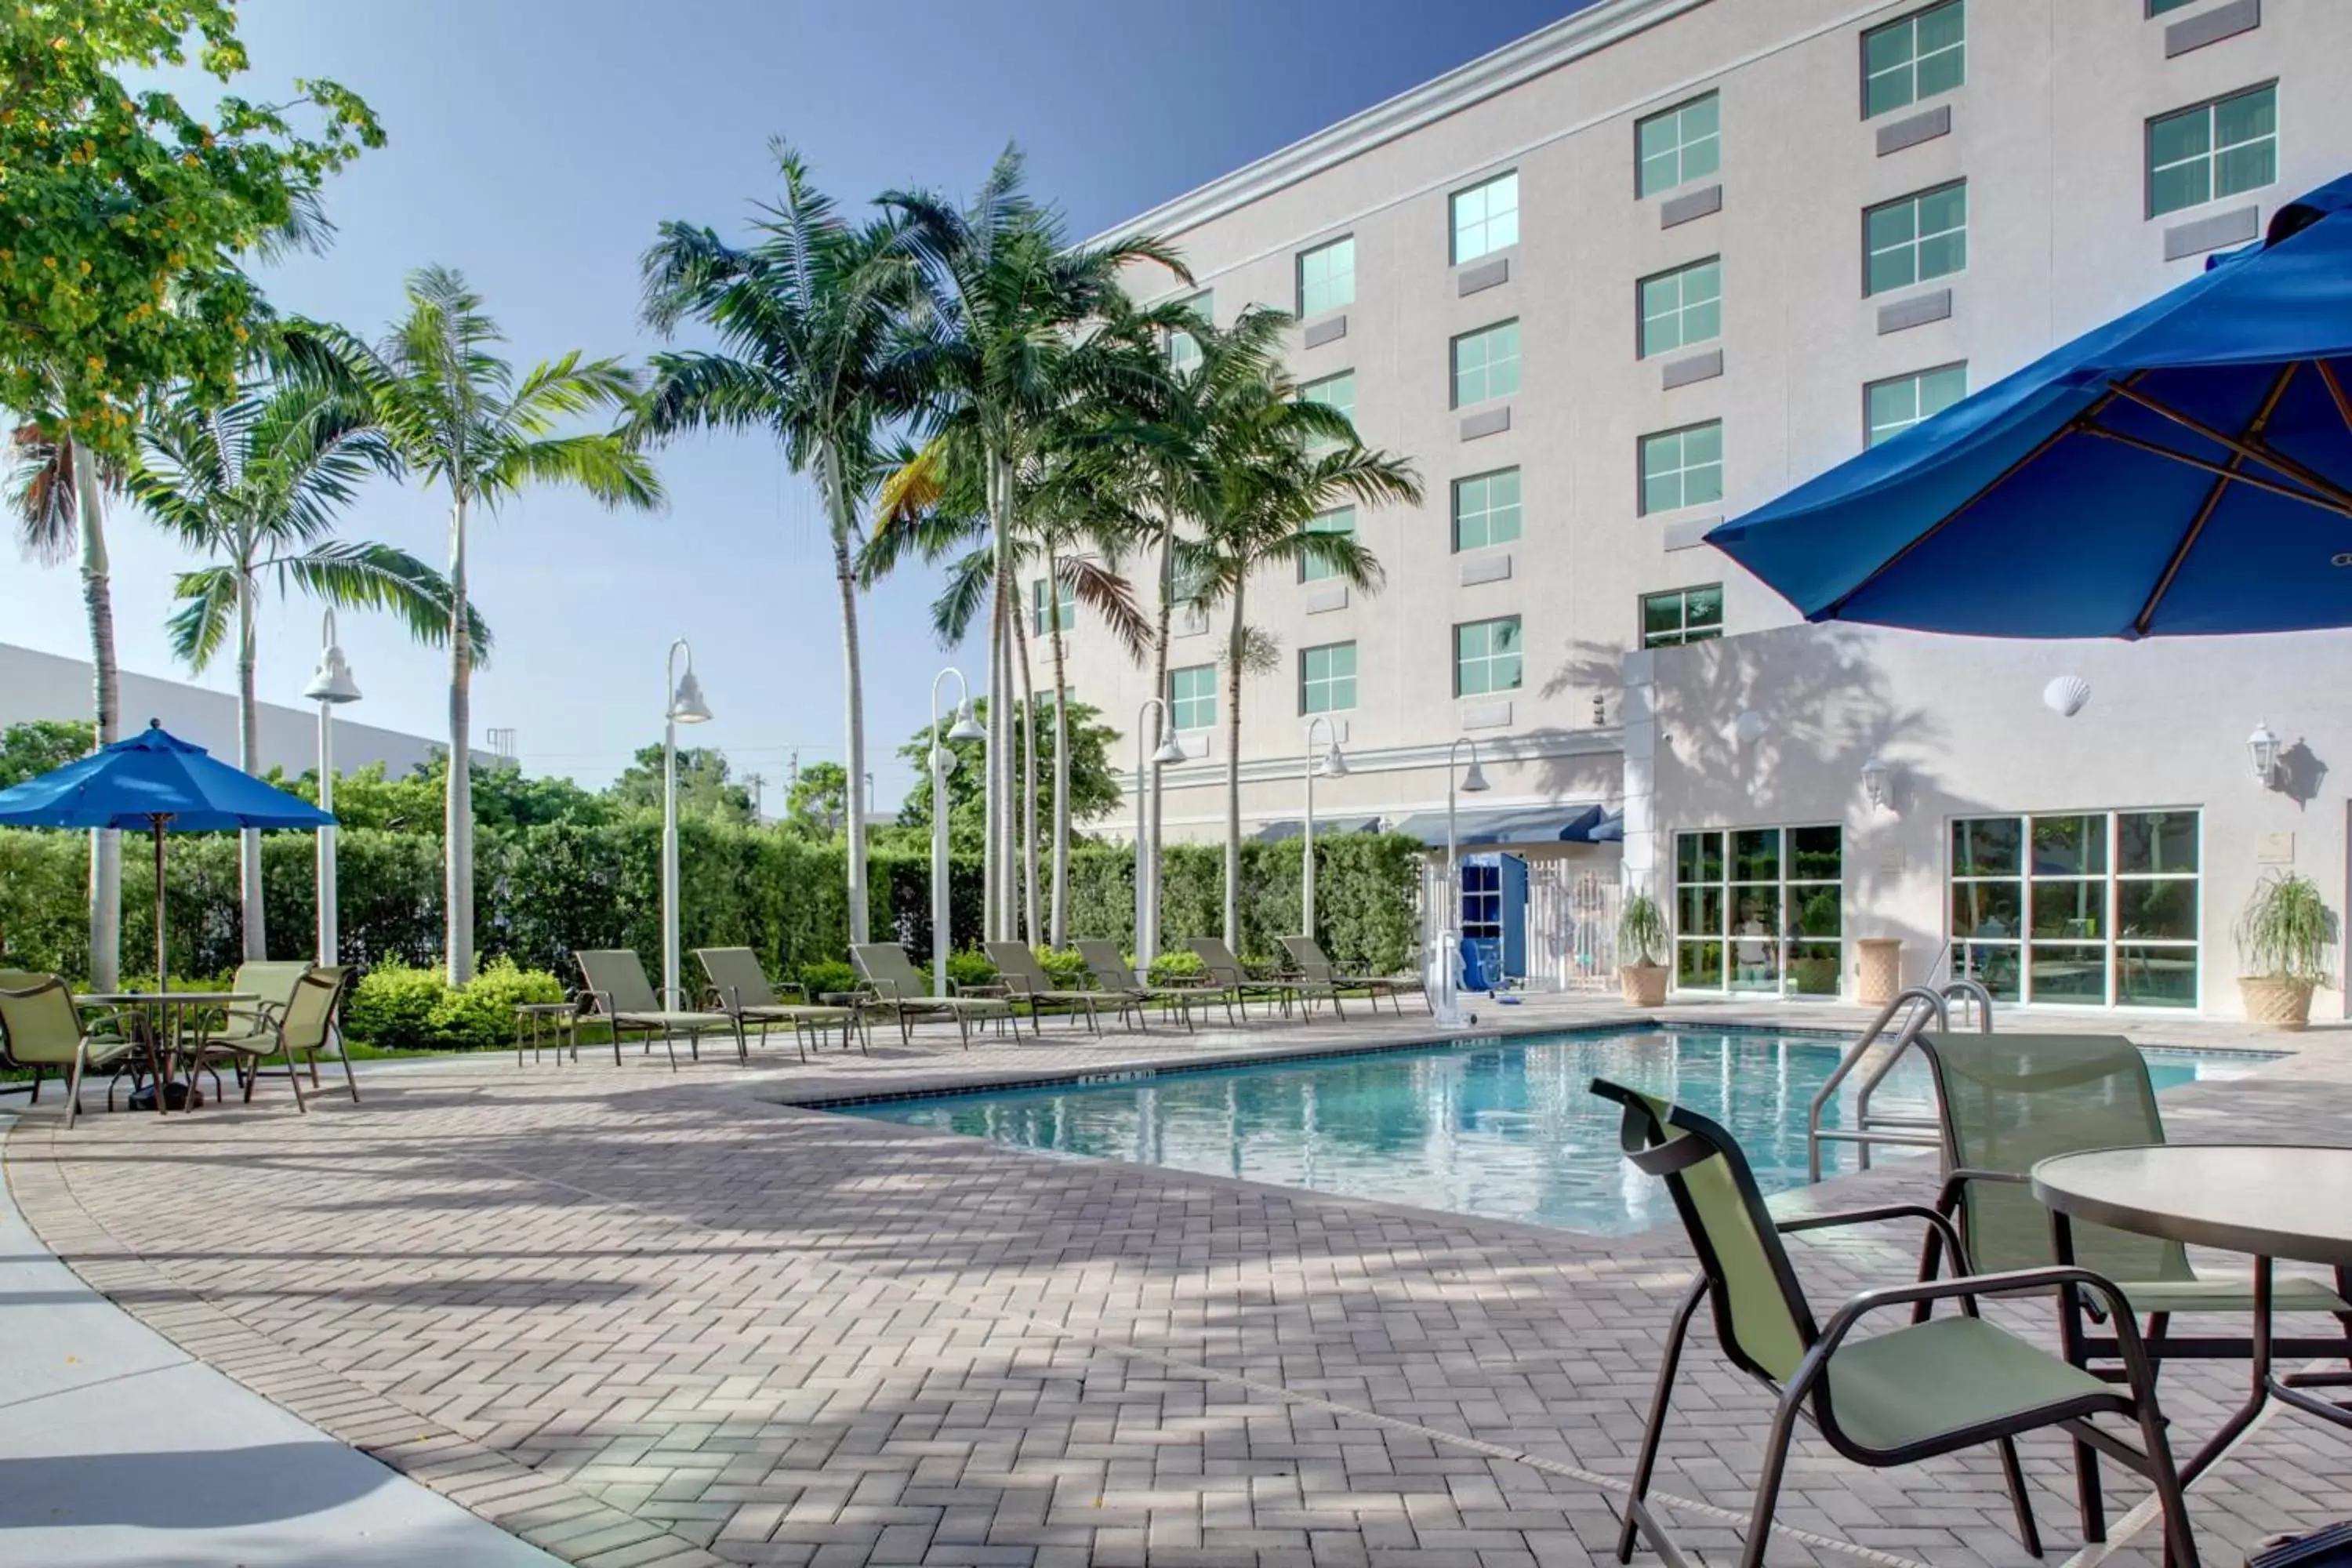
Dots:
{"x": 643, "y": 1318}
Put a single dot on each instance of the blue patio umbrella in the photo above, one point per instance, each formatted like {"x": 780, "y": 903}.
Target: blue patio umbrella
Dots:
{"x": 152, "y": 783}
{"x": 2185, "y": 470}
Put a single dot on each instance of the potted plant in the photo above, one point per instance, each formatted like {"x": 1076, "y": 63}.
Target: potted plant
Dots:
{"x": 2283, "y": 941}
{"x": 1641, "y": 951}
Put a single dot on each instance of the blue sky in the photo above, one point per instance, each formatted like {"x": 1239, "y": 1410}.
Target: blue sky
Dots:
{"x": 536, "y": 143}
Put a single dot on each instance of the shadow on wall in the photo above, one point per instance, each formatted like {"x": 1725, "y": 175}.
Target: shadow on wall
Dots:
{"x": 2301, "y": 771}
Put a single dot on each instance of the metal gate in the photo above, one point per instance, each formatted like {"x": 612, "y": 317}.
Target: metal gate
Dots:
{"x": 1572, "y": 925}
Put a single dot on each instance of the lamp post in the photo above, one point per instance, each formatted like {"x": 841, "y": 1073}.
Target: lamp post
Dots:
{"x": 331, "y": 686}
{"x": 1147, "y": 850}
{"x": 686, "y": 706}
{"x": 1449, "y": 941}
{"x": 943, "y": 762}
{"x": 1334, "y": 764}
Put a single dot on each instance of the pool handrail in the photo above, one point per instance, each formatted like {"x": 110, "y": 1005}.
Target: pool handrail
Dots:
{"x": 1925, "y": 1005}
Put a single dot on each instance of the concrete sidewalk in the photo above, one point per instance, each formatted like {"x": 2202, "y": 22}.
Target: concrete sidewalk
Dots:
{"x": 117, "y": 1447}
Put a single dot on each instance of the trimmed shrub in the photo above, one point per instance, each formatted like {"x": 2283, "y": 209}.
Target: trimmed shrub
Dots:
{"x": 969, "y": 967}
{"x": 393, "y": 1008}
{"x": 827, "y": 974}
{"x": 481, "y": 1016}
{"x": 1173, "y": 968}
{"x": 1066, "y": 968}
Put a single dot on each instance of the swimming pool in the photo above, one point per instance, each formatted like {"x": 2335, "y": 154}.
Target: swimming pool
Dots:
{"x": 1506, "y": 1128}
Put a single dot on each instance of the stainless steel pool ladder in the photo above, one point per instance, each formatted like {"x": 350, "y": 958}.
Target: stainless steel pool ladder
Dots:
{"x": 1920, "y": 1006}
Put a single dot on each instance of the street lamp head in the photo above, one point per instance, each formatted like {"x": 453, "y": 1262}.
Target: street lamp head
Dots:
{"x": 1171, "y": 749}
{"x": 333, "y": 682}
{"x": 943, "y": 760}
{"x": 1474, "y": 779}
{"x": 685, "y": 704}
{"x": 1334, "y": 763}
{"x": 2262, "y": 746}
{"x": 966, "y": 727}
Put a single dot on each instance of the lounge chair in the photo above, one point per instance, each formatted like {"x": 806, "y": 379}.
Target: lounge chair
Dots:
{"x": 1912, "y": 1393}
{"x": 275, "y": 981}
{"x": 613, "y": 987}
{"x": 1307, "y": 955}
{"x": 1108, "y": 967}
{"x": 1027, "y": 980}
{"x": 1232, "y": 984}
{"x": 300, "y": 1027}
{"x": 903, "y": 993}
{"x": 41, "y": 1026}
{"x": 2004, "y": 1101}
{"x": 740, "y": 988}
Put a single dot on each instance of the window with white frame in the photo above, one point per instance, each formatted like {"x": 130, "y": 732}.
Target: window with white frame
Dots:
{"x": 1486, "y": 656}
{"x": 1486, "y": 217}
{"x": 2219, "y": 149}
{"x": 1327, "y": 678}
{"x": 1913, "y": 238}
{"x": 1046, "y": 613}
{"x": 1486, "y": 363}
{"x": 1892, "y": 406}
{"x": 1327, "y": 277}
{"x": 1339, "y": 519}
{"x": 1918, "y": 57}
{"x": 2082, "y": 909}
{"x": 1760, "y": 909}
{"x": 1487, "y": 510}
{"x": 1682, "y": 467}
{"x": 1192, "y": 616}
{"x": 1677, "y": 145}
{"x": 1192, "y": 697}
{"x": 1682, "y": 308}
{"x": 1682, "y": 616}
{"x": 1183, "y": 349}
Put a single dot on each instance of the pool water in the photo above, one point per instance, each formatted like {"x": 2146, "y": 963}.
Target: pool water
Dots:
{"x": 1509, "y": 1130}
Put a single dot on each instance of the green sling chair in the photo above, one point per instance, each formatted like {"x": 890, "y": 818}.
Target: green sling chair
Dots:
{"x": 1108, "y": 967}
{"x": 741, "y": 989}
{"x": 1229, "y": 982}
{"x": 42, "y": 1027}
{"x": 295, "y": 1030}
{"x": 1026, "y": 979}
{"x": 1307, "y": 956}
{"x": 902, "y": 993}
{"x": 1909, "y": 1394}
{"x": 613, "y": 988}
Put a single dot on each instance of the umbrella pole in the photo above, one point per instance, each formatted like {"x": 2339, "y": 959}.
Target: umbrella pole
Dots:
{"x": 162, "y": 974}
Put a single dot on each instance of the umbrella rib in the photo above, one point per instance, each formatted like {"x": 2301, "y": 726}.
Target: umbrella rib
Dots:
{"x": 2220, "y": 487}
{"x": 2325, "y": 503}
{"x": 2334, "y": 390}
{"x": 2268, "y": 457}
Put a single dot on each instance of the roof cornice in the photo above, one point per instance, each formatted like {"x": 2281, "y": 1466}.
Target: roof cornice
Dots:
{"x": 1595, "y": 28}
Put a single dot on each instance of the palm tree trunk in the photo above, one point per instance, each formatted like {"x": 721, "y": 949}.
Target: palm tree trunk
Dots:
{"x": 1058, "y": 931}
{"x": 249, "y": 757}
{"x": 1030, "y": 929}
{"x": 853, "y": 696}
{"x": 106, "y": 679}
{"x": 993, "y": 796}
{"x": 1159, "y": 678}
{"x": 457, "y": 822}
{"x": 1233, "y": 649}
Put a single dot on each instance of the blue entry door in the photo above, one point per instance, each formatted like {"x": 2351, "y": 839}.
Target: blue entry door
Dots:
{"x": 1495, "y": 913}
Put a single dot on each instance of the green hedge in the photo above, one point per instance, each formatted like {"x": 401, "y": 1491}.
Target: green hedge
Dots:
{"x": 542, "y": 891}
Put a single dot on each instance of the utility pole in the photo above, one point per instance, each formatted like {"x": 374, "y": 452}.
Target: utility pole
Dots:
{"x": 755, "y": 781}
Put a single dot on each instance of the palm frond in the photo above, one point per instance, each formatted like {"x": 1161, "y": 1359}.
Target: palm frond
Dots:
{"x": 363, "y": 575}
{"x": 1111, "y": 597}
{"x": 208, "y": 601}
{"x": 971, "y": 580}
{"x": 603, "y": 465}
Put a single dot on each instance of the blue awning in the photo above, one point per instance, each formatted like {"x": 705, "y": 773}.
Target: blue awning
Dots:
{"x": 1566, "y": 823}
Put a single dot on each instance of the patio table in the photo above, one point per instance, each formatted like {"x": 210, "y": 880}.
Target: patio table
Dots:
{"x": 155, "y": 1011}
{"x": 2270, "y": 1201}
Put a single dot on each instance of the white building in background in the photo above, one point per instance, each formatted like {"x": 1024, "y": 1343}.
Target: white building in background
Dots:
{"x": 35, "y": 685}
{"x": 1647, "y": 268}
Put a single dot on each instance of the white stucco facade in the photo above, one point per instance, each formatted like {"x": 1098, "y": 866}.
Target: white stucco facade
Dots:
{"x": 2049, "y": 133}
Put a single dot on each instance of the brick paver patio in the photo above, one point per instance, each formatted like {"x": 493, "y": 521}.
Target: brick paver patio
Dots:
{"x": 639, "y": 1318}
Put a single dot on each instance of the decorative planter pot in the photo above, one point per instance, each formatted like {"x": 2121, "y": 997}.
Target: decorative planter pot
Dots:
{"x": 2271, "y": 1004}
{"x": 1878, "y": 970}
{"x": 1642, "y": 985}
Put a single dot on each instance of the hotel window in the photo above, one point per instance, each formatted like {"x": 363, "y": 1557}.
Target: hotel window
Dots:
{"x": 1680, "y": 144}
{"x": 1192, "y": 616}
{"x": 1486, "y": 656}
{"x": 1893, "y": 406}
{"x": 1327, "y": 277}
{"x": 1183, "y": 349}
{"x": 1681, "y": 307}
{"x": 1486, "y": 218}
{"x": 1064, "y": 608}
{"x": 1487, "y": 510}
{"x": 1681, "y": 467}
{"x": 2215, "y": 149}
{"x": 1915, "y": 237}
{"x": 1924, "y": 54}
{"x": 2096, "y": 909}
{"x": 1327, "y": 679}
{"x": 2158, "y": 7}
{"x": 1486, "y": 363}
{"x": 1335, "y": 392}
{"x": 1192, "y": 697}
{"x": 1341, "y": 520}
{"x": 1760, "y": 908}
{"x": 1682, "y": 616}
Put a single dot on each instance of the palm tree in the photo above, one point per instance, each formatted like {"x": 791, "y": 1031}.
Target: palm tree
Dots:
{"x": 1276, "y": 462}
{"x": 455, "y": 413}
{"x": 804, "y": 316}
{"x": 999, "y": 339}
{"x": 256, "y": 483}
{"x": 56, "y": 488}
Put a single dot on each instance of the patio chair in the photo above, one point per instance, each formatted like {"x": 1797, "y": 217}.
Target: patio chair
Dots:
{"x": 1026, "y": 978}
{"x": 900, "y": 991}
{"x": 295, "y": 1030}
{"x": 740, "y": 988}
{"x": 274, "y": 982}
{"x": 614, "y": 988}
{"x": 1231, "y": 984}
{"x": 1911, "y": 1393}
{"x": 2005, "y": 1102}
{"x": 1108, "y": 967}
{"x": 41, "y": 1026}
{"x": 1308, "y": 957}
